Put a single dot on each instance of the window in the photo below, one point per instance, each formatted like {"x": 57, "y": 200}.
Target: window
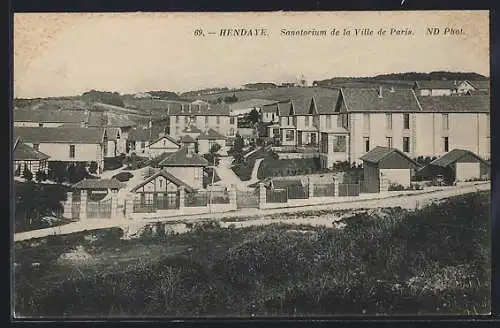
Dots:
{"x": 164, "y": 143}
{"x": 446, "y": 144}
{"x": 367, "y": 143}
{"x": 71, "y": 151}
{"x": 206, "y": 120}
{"x": 324, "y": 143}
{"x": 196, "y": 174}
{"x": 340, "y": 121}
{"x": 406, "y": 119}
{"x": 388, "y": 121}
{"x": 218, "y": 120}
{"x": 143, "y": 144}
{"x": 328, "y": 122}
{"x": 289, "y": 135}
{"x": 177, "y": 119}
{"x": 231, "y": 120}
{"x": 105, "y": 147}
{"x": 40, "y": 125}
{"x": 339, "y": 145}
{"x": 160, "y": 182}
{"x": 406, "y": 144}
{"x": 446, "y": 123}
{"x": 366, "y": 122}
{"x": 389, "y": 142}
{"x": 306, "y": 121}
{"x": 186, "y": 120}
{"x": 36, "y": 147}
{"x": 289, "y": 120}
{"x": 231, "y": 131}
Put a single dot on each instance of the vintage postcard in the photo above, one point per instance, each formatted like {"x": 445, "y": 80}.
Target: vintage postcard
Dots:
{"x": 293, "y": 164}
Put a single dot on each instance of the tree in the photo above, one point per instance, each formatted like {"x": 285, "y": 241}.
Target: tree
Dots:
{"x": 254, "y": 116}
{"x": 239, "y": 143}
{"x": 27, "y": 175}
{"x": 213, "y": 157}
{"x": 40, "y": 176}
{"x": 93, "y": 167}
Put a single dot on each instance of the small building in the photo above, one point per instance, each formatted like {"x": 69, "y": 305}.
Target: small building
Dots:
{"x": 208, "y": 138}
{"x": 98, "y": 189}
{"x": 457, "y": 165}
{"x": 190, "y": 143}
{"x": 163, "y": 144}
{"x": 185, "y": 166}
{"x": 161, "y": 188}
{"x": 27, "y": 157}
{"x": 387, "y": 165}
{"x": 436, "y": 87}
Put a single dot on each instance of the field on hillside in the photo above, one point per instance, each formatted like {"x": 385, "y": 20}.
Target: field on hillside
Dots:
{"x": 431, "y": 261}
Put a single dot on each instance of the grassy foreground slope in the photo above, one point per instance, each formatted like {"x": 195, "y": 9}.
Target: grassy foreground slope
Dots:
{"x": 433, "y": 260}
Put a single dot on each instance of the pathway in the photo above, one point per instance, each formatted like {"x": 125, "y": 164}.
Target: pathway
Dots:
{"x": 227, "y": 176}
{"x": 408, "y": 200}
{"x": 255, "y": 170}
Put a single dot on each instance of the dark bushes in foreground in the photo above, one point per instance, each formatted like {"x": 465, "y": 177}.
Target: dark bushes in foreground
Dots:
{"x": 434, "y": 260}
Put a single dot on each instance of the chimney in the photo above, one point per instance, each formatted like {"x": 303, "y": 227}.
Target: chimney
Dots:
{"x": 380, "y": 94}
{"x": 189, "y": 153}
{"x": 83, "y": 124}
{"x": 392, "y": 89}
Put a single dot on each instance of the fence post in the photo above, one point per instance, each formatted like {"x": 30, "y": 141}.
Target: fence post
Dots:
{"x": 310, "y": 189}
{"x": 83, "y": 204}
{"x": 336, "y": 187}
{"x": 232, "y": 198}
{"x": 114, "y": 204}
{"x": 262, "y": 195}
{"x": 129, "y": 205}
{"x": 182, "y": 196}
{"x": 68, "y": 204}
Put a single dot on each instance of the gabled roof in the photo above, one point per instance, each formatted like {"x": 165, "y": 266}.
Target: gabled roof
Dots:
{"x": 60, "y": 135}
{"x": 302, "y": 105}
{"x": 211, "y": 134}
{"x": 271, "y": 108}
{"x": 285, "y": 108}
{"x": 183, "y": 158}
{"x": 167, "y": 176}
{"x": 112, "y": 133}
{"x": 23, "y": 152}
{"x": 138, "y": 134}
{"x": 451, "y": 104}
{"x": 119, "y": 121}
{"x": 187, "y": 139}
{"x": 166, "y": 136}
{"x": 378, "y": 153}
{"x": 98, "y": 184}
{"x": 437, "y": 84}
{"x": 452, "y": 156}
{"x": 325, "y": 105}
{"x": 192, "y": 129}
{"x": 368, "y": 100}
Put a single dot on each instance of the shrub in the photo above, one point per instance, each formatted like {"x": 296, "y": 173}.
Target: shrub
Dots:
{"x": 93, "y": 167}
{"x": 40, "y": 176}
{"x": 27, "y": 175}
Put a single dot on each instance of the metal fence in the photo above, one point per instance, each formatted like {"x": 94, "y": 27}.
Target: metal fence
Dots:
{"x": 349, "y": 189}
{"x": 156, "y": 201}
{"x": 218, "y": 197}
{"x": 276, "y": 196}
{"x": 325, "y": 189}
{"x": 247, "y": 199}
{"x": 101, "y": 209}
{"x": 297, "y": 192}
{"x": 196, "y": 199}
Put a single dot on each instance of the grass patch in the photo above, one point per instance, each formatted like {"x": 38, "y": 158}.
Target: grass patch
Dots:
{"x": 433, "y": 260}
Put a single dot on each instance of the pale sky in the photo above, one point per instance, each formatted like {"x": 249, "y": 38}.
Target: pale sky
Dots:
{"x": 58, "y": 54}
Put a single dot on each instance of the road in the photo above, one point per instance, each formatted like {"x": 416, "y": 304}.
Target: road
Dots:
{"x": 394, "y": 200}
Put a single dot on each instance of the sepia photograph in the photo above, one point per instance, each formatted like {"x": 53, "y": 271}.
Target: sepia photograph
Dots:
{"x": 250, "y": 164}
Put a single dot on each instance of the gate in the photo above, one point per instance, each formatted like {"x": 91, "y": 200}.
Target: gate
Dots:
{"x": 99, "y": 210}
{"x": 247, "y": 199}
{"x": 75, "y": 210}
{"x": 348, "y": 189}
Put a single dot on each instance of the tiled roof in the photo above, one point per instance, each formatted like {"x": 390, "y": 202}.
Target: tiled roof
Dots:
{"x": 211, "y": 134}
{"x": 302, "y": 105}
{"x": 437, "y": 84}
{"x": 50, "y": 116}
{"x": 182, "y": 158}
{"x": 138, "y": 134}
{"x": 251, "y": 103}
{"x": 271, "y": 108}
{"x": 119, "y": 121}
{"x": 98, "y": 184}
{"x": 187, "y": 139}
{"x": 399, "y": 100}
{"x": 23, "y": 152}
{"x": 60, "y": 135}
{"x": 379, "y": 153}
{"x": 112, "y": 133}
{"x": 167, "y": 176}
{"x": 452, "y": 156}
{"x": 284, "y": 108}
{"x": 471, "y": 103}
{"x": 192, "y": 129}
{"x": 480, "y": 85}
{"x": 164, "y": 136}
{"x": 325, "y": 105}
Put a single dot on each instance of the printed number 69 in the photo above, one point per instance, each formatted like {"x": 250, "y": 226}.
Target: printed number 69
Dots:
{"x": 198, "y": 32}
